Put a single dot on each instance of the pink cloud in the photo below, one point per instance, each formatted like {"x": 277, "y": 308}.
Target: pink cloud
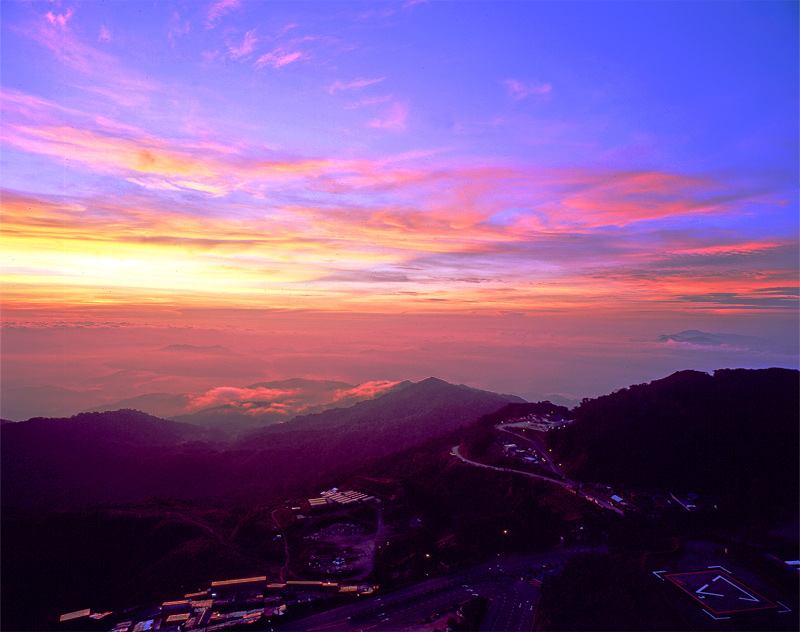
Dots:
{"x": 177, "y": 28}
{"x": 356, "y": 83}
{"x": 247, "y": 47}
{"x": 428, "y": 231}
{"x": 370, "y": 101}
{"x": 288, "y": 401}
{"x": 119, "y": 83}
{"x": 278, "y": 57}
{"x": 105, "y": 34}
{"x": 219, "y": 9}
{"x": 367, "y": 390}
{"x": 287, "y": 28}
{"x": 224, "y": 395}
{"x": 459, "y": 197}
{"x": 518, "y": 90}
{"x": 60, "y": 19}
{"x": 54, "y": 34}
{"x": 395, "y": 120}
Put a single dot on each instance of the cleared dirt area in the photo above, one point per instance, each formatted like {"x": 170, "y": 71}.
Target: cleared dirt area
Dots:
{"x": 341, "y": 544}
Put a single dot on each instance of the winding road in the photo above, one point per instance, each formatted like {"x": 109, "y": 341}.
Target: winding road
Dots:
{"x": 566, "y": 483}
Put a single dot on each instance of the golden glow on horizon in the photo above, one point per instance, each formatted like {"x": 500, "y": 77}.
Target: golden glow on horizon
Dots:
{"x": 323, "y": 259}
{"x": 207, "y": 223}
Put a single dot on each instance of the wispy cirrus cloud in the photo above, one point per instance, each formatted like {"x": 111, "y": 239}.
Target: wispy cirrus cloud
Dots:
{"x": 519, "y": 90}
{"x": 339, "y": 85}
{"x": 482, "y": 194}
{"x": 105, "y": 35}
{"x": 177, "y": 27}
{"x": 53, "y": 33}
{"x": 402, "y": 229}
{"x": 219, "y": 9}
{"x": 370, "y": 101}
{"x": 279, "y": 57}
{"x": 247, "y": 46}
{"x": 744, "y": 300}
{"x": 394, "y": 119}
{"x": 119, "y": 84}
{"x": 59, "y": 19}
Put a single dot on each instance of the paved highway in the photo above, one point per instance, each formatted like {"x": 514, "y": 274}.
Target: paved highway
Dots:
{"x": 513, "y": 602}
{"x": 566, "y": 483}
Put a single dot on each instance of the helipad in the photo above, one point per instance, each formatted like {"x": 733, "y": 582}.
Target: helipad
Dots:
{"x": 720, "y": 592}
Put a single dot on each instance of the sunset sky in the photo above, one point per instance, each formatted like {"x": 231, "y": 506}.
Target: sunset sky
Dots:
{"x": 519, "y": 196}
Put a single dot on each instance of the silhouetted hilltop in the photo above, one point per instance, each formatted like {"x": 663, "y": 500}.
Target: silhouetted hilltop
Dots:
{"x": 301, "y": 382}
{"x": 46, "y": 401}
{"x": 292, "y": 396}
{"x": 233, "y": 409}
{"x": 416, "y": 412}
{"x": 733, "y": 434}
{"x": 89, "y": 457}
{"x": 127, "y": 455}
{"x": 124, "y": 426}
{"x": 163, "y": 405}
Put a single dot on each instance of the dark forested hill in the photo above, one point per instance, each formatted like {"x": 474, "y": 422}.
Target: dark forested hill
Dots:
{"x": 88, "y": 457}
{"x": 127, "y": 455}
{"x": 733, "y": 434}
{"x": 399, "y": 418}
{"x": 233, "y": 410}
{"x": 121, "y": 427}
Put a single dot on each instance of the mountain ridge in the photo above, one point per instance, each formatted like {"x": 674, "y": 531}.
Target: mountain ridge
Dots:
{"x": 415, "y": 397}
{"x": 43, "y": 462}
{"x": 730, "y": 434}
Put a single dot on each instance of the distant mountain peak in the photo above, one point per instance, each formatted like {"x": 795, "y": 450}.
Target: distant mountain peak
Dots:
{"x": 434, "y": 381}
{"x": 301, "y": 382}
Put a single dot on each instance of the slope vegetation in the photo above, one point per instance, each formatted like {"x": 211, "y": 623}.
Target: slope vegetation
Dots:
{"x": 733, "y": 435}
{"x": 128, "y": 456}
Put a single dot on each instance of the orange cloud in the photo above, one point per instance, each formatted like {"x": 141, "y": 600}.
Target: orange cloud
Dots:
{"x": 230, "y": 224}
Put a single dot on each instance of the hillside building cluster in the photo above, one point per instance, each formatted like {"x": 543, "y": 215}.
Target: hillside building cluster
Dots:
{"x": 223, "y": 604}
{"x": 542, "y": 423}
{"x": 333, "y": 499}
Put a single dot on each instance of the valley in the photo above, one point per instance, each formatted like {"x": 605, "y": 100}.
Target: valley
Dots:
{"x": 482, "y": 524}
